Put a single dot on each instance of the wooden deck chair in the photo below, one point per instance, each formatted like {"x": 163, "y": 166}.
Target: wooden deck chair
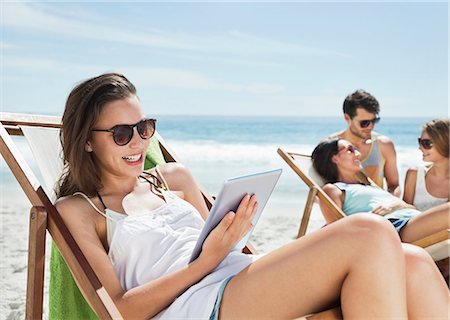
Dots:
{"x": 44, "y": 216}
{"x": 437, "y": 245}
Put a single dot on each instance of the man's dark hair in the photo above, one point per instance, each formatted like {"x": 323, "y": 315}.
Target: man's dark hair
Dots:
{"x": 360, "y": 99}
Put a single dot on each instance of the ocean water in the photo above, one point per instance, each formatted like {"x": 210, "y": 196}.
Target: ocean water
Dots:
{"x": 216, "y": 148}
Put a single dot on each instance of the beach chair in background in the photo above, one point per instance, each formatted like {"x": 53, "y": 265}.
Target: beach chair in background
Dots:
{"x": 302, "y": 166}
{"x": 42, "y": 132}
{"x": 437, "y": 245}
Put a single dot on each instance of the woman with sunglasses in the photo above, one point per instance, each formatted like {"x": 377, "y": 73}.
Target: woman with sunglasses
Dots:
{"x": 428, "y": 186}
{"x": 338, "y": 163}
{"x": 138, "y": 236}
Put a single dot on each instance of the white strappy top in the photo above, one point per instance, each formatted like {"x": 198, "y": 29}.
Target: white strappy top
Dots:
{"x": 423, "y": 200}
{"x": 112, "y": 217}
{"x": 148, "y": 246}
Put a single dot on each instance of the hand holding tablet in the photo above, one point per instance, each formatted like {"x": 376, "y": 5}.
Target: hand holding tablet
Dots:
{"x": 260, "y": 184}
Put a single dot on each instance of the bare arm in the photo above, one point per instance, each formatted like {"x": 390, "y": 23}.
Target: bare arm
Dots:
{"x": 337, "y": 196}
{"x": 410, "y": 185}
{"x": 390, "y": 167}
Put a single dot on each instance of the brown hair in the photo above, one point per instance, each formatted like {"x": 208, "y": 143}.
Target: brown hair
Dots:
{"x": 438, "y": 130}
{"x": 81, "y": 112}
{"x": 322, "y": 159}
{"x": 360, "y": 99}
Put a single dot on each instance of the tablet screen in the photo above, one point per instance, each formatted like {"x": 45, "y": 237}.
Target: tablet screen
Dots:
{"x": 233, "y": 190}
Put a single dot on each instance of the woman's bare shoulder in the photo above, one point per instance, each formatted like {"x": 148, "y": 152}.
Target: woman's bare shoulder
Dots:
{"x": 68, "y": 202}
{"x": 331, "y": 189}
{"x": 173, "y": 172}
{"x": 171, "y": 167}
{"x": 73, "y": 206}
{"x": 177, "y": 176}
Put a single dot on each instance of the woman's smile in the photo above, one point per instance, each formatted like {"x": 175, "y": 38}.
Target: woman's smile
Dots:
{"x": 134, "y": 160}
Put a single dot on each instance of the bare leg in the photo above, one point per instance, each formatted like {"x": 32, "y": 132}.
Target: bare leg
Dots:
{"x": 427, "y": 292}
{"x": 358, "y": 259}
{"x": 427, "y": 223}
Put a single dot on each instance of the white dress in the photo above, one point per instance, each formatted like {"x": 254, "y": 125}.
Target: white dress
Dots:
{"x": 423, "y": 200}
{"x": 145, "y": 247}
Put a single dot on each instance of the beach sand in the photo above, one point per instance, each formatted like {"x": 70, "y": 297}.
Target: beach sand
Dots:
{"x": 280, "y": 222}
{"x": 278, "y": 225}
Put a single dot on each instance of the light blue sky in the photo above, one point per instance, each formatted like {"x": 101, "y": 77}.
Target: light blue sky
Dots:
{"x": 292, "y": 58}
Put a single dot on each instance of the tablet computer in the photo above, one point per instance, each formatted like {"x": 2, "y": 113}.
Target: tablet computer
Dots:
{"x": 233, "y": 190}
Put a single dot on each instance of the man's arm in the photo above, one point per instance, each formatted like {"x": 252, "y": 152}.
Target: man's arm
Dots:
{"x": 390, "y": 166}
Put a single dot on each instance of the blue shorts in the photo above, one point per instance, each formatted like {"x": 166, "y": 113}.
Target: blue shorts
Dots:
{"x": 215, "y": 313}
{"x": 399, "y": 223}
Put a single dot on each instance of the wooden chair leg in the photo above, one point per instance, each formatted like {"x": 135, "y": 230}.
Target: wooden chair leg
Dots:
{"x": 36, "y": 263}
{"x": 307, "y": 212}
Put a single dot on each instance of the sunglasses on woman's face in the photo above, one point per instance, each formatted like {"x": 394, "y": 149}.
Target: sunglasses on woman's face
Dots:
{"x": 425, "y": 143}
{"x": 349, "y": 148}
{"x": 123, "y": 133}
{"x": 366, "y": 123}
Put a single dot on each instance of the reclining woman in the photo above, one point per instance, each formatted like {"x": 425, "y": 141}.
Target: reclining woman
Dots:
{"x": 337, "y": 162}
{"x": 138, "y": 236}
{"x": 428, "y": 186}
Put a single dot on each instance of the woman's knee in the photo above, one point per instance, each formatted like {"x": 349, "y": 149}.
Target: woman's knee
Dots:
{"x": 417, "y": 260}
{"x": 371, "y": 234}
{"x": 372, "y": 242}
{"x": 374, "y": 230}
{"x": 420, "y": 267}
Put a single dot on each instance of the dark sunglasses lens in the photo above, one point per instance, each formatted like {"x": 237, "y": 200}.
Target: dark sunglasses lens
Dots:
{"x": 351, "y": 149}
{"x": 426, "y": 143}
{"x": 146, "y": 128}
{"x": 122, "y": 134}
{"x": 364, "y": 123}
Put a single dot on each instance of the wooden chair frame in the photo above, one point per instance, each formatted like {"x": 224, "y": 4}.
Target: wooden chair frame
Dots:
{"x": 44, "y": 216}
{"x": 315, "y": 191}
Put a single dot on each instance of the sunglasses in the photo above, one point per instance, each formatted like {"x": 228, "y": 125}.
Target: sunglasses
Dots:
{"x": 349, "y": 148}
{"x": 366, "y": 123}
{"x": 123, "y": 133}
{"x": 425, "y": 143}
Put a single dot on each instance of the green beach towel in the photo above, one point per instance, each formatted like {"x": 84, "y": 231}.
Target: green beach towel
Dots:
{"x": 65, "y": 299}
{"x": 154, "y": 154}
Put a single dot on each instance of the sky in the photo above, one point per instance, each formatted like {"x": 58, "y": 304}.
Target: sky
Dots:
{"x": 230, "y": 58}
